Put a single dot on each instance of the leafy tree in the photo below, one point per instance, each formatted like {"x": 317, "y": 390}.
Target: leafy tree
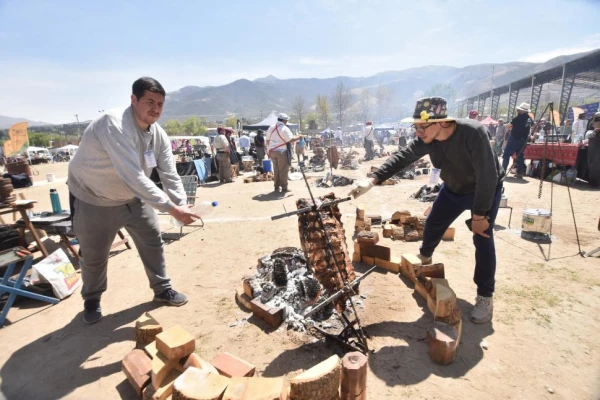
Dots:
{"x": 323, "y": 110}
{"x": 442, "y": 90}
{"x": 298, "y": 107}
{"x": 173, "y": 127}
{"x": 231, "y": 122}
{"x": 341, "y": 101}
{"x": 39, "y": 139}
{"x": 312, "y": 120}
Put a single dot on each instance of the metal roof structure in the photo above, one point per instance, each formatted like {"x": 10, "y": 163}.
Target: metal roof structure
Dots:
{"x": 583, "y": 72}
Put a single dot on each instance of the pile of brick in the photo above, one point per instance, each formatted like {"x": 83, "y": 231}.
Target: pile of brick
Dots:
{"x": 267, "y": 176}
{"x": 169, "y": 368}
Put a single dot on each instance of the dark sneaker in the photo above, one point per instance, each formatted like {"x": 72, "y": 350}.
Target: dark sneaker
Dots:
{"x": 285, "y": 190}
{"x": 92, "y": 312}
{"x": 171, "y": 297}
{"x": 276, "y": 189}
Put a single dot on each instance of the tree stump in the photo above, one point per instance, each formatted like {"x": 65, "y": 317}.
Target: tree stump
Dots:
{"x": 354, "y": 376}
{"x": 320, "y": 382}
{"x": 442, "y": 340}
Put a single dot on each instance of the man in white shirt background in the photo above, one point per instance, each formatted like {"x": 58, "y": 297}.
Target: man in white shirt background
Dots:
{"x": 579, "y": 129}
{"x": 278, "y": 138}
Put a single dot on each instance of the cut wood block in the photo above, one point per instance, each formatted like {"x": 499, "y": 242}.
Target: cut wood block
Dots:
{"x": 399, "y": 217}
{"x": 368, "y": 224}
{"x": 248, "y": 288}
{"x": 445, "y": 301}
{"x": 387, "y": 231}
{"x": 356, "y": 257}
{"x": 255, "y": 389}
{"x": 359, "y": 223}
{"x": 420, "y": 288}
{"x": 455, "y": 320}
{"x": 393, "y": 265}
{"x": 161, "y": 368}
{"x": 357, "y": 248}
{"x": 229, "y": 365}
{"x": 375, "y": 251}
{"x": 410, "y": 262}
{"x": 449, "y": 234}
{"x": 360, "y": 211}
{"x": 442, "y": 341}
{"x": 137, "y": 367}
{"x": 151, "y": 350}
{"x": 375, "y": 218}
{"x": 166, "y": 389}
{"x": 148, "y": 392}
{"x": 195, "y": 384}
{"x": 410, "y": 234}
{"x": 431, "y": 285}
{"x": 367, "y": 238}
{"x": 368, "y": 260}
{"x": 273, "y": 316}
{"x": 354, "y": 376}
{"x": 430, "y": 271}
{"x": 397, "y": 233}
{"x": 175, "y": 343}
{"x": 146, "y": 329}
{"x": 244, "y": 300}
{"x": 410, "y": 220}
{"x": 320, "y": 382}
{"x": 194, "y": 360}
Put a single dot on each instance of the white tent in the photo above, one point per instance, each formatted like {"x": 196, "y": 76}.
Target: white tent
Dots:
{"x": 266, "y": 123}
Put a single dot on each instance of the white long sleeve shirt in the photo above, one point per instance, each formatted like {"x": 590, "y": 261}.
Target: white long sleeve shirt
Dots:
{"x": 277, "y": 136}
{"x": 579, "y": 129}
{"x": 109, "y": 168}
{"x": 369, "y": 133}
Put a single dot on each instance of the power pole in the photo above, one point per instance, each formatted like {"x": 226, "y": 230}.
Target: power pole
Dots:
{"x": 78, "y": 130}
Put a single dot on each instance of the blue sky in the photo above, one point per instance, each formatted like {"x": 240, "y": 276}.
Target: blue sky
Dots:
{"x": 60, "y": 58}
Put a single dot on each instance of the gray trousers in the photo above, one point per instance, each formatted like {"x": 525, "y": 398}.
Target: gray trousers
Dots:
{"x": 96, "y": 228}
{"x": 224, "y": 162}
{"x": 281, "y": 167}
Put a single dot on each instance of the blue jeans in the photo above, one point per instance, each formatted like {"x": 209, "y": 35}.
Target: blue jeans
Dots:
{"x": 446, "y": 208}
{"x": 514, "y": 146}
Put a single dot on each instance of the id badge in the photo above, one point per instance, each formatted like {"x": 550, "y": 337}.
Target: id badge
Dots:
{"x": 434, "y": 178}
{"x": 149, "y": 158}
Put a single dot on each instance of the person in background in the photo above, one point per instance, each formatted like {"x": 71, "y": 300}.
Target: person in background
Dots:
{"x": 110, "y": 189}
{"x": 223, "y": 148}
{"x": 245, "y": 143}
{"x": 369, "y": 136}
{"x": 595, "y": 131}
{"x": 499, "y": 138}
{"x": 301, "y": 150}
{"x": 233, "y": 154}
{"x": 259, "y": 143}
{"x": 473, "y": 114}
{"x": 567, "y": 131}
{"x": 521, "y": 128}
{"x": 279, "y": 137}
{"x": 472, "y": 180}
{"x": 579, "y": 129}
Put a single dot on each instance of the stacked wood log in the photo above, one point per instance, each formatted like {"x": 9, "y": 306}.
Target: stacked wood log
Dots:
{"x": 318, "y": 253}
{"x": 444, "y": 336}
{"x": 268, "y": 176}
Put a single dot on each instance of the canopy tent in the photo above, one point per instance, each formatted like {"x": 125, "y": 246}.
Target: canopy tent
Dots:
{"x": 70, "y": 149}
{"x": 384, "y": 127}
{"x": 489, "y": 121}
{"x": 266, "y": 123}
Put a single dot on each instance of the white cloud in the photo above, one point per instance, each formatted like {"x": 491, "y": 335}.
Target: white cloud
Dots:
{"x": 590, "y": 43}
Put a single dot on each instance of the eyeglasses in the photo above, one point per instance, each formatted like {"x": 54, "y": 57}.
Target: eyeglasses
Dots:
{"x": 421, "y": 127}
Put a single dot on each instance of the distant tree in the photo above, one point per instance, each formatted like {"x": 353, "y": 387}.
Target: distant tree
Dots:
{"x": 39, "y": 139}
{"x": 312, "y": 120}
{"x": 173, "y": 127}
{"x": 341, "y": 101}
{"x": 364, "y": 106}
{"x": 298, "y": 109}
{"x": 323, "y": 110}
{"x": 442, "y": 90}
{"x": 231, "y": 122}
{"x": 384, "y": 97}
{"x": 194, "y": 126}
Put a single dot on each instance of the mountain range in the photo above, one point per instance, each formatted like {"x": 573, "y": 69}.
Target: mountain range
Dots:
{"x": 252, "y": 98}
{"x": 7, "y": 122}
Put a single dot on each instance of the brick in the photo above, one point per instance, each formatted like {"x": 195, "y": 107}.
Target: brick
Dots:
{"x": 195, "y": 361}
{"x": 230, "y": 366}
{"x": 161, "y": 368}
{"x": 393, "y": 265}
{"x": 248, "y": 288}
{"x": 175, "y": 343}
{"x": 357, "y": 248}
{"x": 356, "y": 257}
{"x": 137, "y": 367}
{"x": 197, "y": 384}
{"x": 375, "y": 251}
{"x": 255, "y": 389}
{"x": 272, "y": 316}
{"x": 449, "y": 234}
{"x": 243, "y": 298}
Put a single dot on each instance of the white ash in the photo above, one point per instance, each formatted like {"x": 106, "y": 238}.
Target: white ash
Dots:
{"x": 300, "y": 293}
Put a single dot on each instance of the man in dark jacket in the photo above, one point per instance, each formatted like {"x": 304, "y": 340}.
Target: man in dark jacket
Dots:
{"x": 462, "y": 154}
{"x": 521, "y": 127}
{"x": 259, "y": 143}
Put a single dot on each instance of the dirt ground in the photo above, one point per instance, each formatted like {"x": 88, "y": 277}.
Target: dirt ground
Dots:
{"x": 542, "y": 342}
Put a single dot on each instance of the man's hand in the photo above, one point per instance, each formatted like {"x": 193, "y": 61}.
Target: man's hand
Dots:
{"x": 361, "y": 187}
{"x": 184, "y": 214}
{"x": 479, "y": 225}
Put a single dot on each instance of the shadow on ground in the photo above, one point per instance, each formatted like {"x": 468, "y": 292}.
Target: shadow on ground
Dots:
{"x": 58, "y": 363}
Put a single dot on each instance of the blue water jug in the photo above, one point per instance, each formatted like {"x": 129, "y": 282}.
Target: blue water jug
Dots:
{"x": 267, "y": 166}
{"x": 55, "y": 200}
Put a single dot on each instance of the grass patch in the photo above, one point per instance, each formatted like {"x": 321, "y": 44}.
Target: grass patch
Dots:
{"x": 533, "y": 299}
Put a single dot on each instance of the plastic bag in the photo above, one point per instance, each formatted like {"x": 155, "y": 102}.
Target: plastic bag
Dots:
{"x": 57, "y": 270}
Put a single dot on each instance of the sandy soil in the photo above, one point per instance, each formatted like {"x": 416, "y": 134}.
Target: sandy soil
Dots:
{"x": 542, "y": 338}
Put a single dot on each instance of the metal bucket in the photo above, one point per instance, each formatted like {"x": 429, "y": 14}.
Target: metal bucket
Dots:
{"x": 536, "y": 220}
